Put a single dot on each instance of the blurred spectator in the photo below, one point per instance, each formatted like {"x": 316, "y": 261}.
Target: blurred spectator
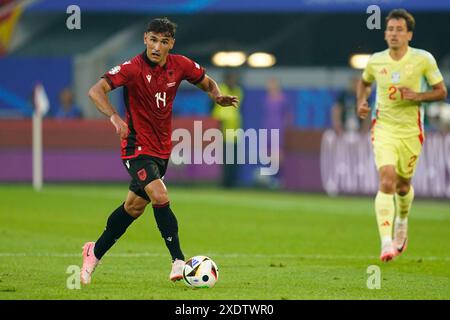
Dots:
{"x": 438, "y": 116}
{"x": 343, "y": 113}
{"x": 277, "y": 114}
{"x": 432, "y": 117}
{"x": 230, "y": 118}
{"x": 67, "y": 109}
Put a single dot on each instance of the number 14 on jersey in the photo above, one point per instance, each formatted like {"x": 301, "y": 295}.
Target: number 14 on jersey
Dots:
{"x": 161, "y": 96}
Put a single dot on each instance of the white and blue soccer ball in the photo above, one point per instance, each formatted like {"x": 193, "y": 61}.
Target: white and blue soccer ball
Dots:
{"x": 200, "y": 272}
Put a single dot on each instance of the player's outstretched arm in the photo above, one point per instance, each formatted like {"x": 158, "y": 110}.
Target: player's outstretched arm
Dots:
{"x": 97, "y": 93}
{"x": 363, "y": 90}
{"x": 438, "y": 93}
{"x": 212, "y": 89}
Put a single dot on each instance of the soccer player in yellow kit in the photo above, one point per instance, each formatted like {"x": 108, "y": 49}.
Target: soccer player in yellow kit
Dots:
{"x": 406, "y": 77}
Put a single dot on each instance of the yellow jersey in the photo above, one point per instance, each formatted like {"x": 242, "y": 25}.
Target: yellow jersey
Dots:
{"x": 416, "y": 70}
{"x": 229, "y": 117}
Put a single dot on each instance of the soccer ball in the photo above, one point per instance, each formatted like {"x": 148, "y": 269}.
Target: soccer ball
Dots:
{"x": 200, "y": 272}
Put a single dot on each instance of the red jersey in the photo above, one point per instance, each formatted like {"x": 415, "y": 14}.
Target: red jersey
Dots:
{"x": 149, "y": 91}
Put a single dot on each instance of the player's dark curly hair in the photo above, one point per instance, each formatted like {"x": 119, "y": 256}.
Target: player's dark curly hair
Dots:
{"x": 402, "y": 14}
{"x": 162, "y": 25}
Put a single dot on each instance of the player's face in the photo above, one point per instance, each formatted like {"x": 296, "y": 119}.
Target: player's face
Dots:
{"x": 397, "y": 34}
{"x": 158, "y": 46}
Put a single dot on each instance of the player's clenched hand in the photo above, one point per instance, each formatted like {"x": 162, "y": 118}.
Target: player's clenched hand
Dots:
{"x": 363, "y": 109}
{"x": 408, "y": 94}
{"x": 120, "y": 125}
{"x": 226, "y": 101}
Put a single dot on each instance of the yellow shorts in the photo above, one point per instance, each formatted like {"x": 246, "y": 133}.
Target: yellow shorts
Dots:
{"x": 403, "y": 153}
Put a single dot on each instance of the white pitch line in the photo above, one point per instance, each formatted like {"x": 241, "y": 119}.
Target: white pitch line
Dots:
{"x": 226, "y": 255}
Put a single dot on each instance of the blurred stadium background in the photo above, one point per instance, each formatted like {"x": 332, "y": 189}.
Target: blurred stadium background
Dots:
{"x": 260, "y": 238}
{"x": 310, "y": 42}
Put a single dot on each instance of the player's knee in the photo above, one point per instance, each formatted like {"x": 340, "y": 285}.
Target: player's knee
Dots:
{"x": 403, "y": 189}
{"x": 387, "y": 184}
{"x": 160, "y": 197}
{"x": 135, "y": 209}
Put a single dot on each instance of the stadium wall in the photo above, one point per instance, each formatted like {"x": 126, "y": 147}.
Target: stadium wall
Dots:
{"x": 324, "y": 162}
{"x": 312, "y": 161}
{"x": 83, "y": 151}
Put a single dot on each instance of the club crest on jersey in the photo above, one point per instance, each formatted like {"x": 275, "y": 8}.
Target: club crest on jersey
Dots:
{"x": 114, "y": 70}
{"x": 395, "y": 77}
{"x": 149, "y": 78}
{"x": 170, "y": 74}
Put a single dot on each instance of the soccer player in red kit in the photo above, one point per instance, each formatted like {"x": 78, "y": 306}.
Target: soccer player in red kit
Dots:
{"x": 150, "y": 81}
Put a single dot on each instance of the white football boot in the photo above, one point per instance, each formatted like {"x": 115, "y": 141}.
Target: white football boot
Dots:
{"x": 177, "y": 270}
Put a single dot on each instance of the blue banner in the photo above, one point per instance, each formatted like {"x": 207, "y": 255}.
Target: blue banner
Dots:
{"x": 211, "y": 6}
{"x": 18, "y": 77}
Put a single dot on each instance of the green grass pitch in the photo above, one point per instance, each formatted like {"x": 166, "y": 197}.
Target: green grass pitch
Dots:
{"x": 268, "y": 245}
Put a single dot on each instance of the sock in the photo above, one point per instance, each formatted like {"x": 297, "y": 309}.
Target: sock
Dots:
{"x": 117, "y": 224}
{"x": 168, "y": 226}
{"x": 403, "y": 204}
{"x": 385, "y": 211}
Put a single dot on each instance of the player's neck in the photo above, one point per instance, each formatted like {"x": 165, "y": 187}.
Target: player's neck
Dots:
{"x": 398, "y": 54}
{"x": 161, "y": 63}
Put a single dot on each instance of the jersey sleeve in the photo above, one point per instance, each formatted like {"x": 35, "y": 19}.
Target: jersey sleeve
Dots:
{"x": 121, "y": 75}
{"x": 431, "y": 72}
{"x": 193, "y": 72}
{"x": 368, "y": 73}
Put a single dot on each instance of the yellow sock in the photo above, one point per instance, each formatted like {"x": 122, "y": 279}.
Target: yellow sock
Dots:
{"x": 385, "y": 210}
{"x": 403, "y": 204}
